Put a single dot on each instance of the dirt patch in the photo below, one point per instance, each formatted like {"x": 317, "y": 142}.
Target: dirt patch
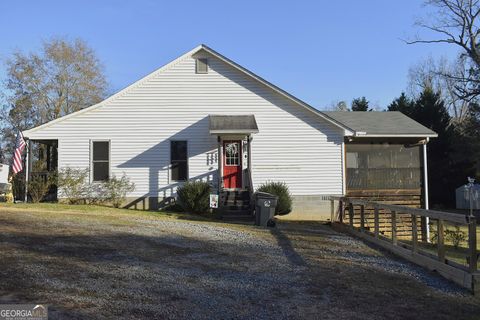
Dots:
{"x": 98, "y": 265}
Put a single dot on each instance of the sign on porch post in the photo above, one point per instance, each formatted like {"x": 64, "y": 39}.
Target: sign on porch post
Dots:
{"x": 214, "y": 201}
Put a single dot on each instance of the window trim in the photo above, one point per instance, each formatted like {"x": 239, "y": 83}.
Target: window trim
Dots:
{"x": 187, "y": 160}
{"x": 197, "y": 60}
{"x": 109, "y": 159}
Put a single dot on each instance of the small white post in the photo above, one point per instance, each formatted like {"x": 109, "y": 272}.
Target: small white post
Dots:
{"x": 220, "y": 164}
{"x": 27, "y": 168}
{"x": 425, "y": 184}
{"x": 249, "y": 155}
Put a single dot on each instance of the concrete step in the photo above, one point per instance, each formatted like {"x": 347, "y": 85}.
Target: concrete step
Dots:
{"x": 237, "y": 217}
{"x": 236, "y": 212}
{"x": 237, "y": 208}
{"x": 234, "y": 195}
{"x": 236, "y": 202}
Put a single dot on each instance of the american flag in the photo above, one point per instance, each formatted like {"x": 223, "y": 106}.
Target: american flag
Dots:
{"x": 17, "y": 165}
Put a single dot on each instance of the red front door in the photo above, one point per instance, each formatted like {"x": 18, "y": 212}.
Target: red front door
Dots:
{"x": 232, "y": 164}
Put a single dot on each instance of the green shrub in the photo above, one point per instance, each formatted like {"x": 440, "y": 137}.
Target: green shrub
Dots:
{"x": 194, "y": 196}
{"x": 18, "y": 186}
{"x": 280, "y": 189}
{"x": 73, "y": 184}
{"x": 95, "y": 193}
{"x": 115, "y": 190}
{"x": 456, "y": 236}
{"x": 39, "y": 186}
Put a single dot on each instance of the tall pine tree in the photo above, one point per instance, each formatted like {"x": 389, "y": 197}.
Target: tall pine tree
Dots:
{"x": 360, "y": 104}
{"x": 449, "y": 162}
{"x": 402, "y": 104}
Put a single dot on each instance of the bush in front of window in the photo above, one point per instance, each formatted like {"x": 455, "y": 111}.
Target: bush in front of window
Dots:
{"x": 194, "y": 196}
{"x": 280, "y": 189}
{"x": 73, "y": 184}
{"x": 115, "y": 190}
{"x": 95, "y": 193}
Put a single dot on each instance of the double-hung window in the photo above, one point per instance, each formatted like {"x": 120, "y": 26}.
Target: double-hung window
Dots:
{"x": 179, "y": 160}
{"x": 100, "y": 160}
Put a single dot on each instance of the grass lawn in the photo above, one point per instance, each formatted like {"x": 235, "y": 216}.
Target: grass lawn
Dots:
{"x": 455, "y": 254}
{"x": 97, "y": 262}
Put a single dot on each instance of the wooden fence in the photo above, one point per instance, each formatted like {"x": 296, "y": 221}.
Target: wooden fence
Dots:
{"x": 466, "y": 276}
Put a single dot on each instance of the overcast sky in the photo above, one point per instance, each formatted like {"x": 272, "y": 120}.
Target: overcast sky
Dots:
{"x": 320, "y": 51}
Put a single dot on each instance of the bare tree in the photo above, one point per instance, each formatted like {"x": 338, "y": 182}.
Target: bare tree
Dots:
{"x": 63, "y": 77}
{"x": 431, "y": 73}
{"x": 456, "y": 22}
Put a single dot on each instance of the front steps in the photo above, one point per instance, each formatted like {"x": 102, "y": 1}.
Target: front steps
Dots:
{"x": 236, "y": 206}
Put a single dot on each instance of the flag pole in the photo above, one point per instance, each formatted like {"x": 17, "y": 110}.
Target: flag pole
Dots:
{"x": 27, "y": 167}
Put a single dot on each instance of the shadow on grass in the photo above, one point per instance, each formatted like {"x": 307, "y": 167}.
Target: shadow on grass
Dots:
{"x": 80, "y": 271}
{"x": 287, "y": 248}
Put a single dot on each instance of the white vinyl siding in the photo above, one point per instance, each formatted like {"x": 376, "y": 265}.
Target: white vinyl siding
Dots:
{"x": 293, "y": 144}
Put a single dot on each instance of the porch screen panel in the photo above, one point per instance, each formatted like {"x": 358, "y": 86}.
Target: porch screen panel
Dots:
{"x": 179, "y": 160}
{"x": 383, "y": 166}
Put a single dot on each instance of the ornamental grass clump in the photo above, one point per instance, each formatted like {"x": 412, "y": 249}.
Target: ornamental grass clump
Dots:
{"x": 194, "y": 196}
{"x": 280, "y": 189}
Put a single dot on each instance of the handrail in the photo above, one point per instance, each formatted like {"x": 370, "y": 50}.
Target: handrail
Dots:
{"x": 467, "y": 277}
{"x": 447, "y": 216}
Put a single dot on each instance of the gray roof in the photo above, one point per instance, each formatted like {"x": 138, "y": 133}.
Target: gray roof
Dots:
{"x": 377, "y": 123}
{"x": 233, "y": 124}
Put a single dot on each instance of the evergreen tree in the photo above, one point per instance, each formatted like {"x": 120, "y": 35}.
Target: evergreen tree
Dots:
{"x": 402, "y": 104}
{"x": 449, "y": 155}
{"x": 467, "y": 146}
{"x": 430, "y": 111}
{"x": 452, "y": 156}
{"x": 360, "y": 104}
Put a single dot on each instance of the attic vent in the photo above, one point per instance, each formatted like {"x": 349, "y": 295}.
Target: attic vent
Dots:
{"x": 202, "y": 65}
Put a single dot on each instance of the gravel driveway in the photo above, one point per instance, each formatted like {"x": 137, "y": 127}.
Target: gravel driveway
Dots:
{"x": 134, "y": 265}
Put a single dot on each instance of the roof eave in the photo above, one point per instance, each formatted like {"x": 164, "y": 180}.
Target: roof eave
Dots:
{"x": 413, "y": 135}
{"x": 233, "y": 131}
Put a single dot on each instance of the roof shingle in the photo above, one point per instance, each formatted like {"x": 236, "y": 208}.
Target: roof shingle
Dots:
{"x": 377, "y": 123}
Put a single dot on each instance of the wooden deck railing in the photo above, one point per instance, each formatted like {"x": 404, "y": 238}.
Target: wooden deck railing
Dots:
{"x": 466, "y": 276}
{"x": 383, "y": 178}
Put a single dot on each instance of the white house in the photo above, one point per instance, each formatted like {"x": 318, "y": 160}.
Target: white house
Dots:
{"x": 203, "y": 116}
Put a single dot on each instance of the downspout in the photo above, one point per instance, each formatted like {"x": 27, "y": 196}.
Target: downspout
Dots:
{"x": 425, "y": 184}
{"x": 249, "y": 160}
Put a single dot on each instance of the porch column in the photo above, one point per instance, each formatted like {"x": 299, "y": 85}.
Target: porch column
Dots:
{"x": 425, "y": 186}
{"x": 28, "y": 166}
{"x": 249, "y": 145}
{"x": 220, "y": 163}
{"x": 49, "y": 148}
